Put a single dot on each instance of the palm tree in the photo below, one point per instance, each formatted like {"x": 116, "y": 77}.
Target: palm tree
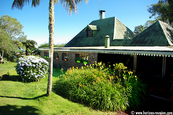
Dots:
{"x": 70, "y": 5}
{"x": 30, "y": 45}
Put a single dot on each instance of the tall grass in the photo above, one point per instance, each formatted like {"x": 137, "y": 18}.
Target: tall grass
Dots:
{"x": 102, "y": 87}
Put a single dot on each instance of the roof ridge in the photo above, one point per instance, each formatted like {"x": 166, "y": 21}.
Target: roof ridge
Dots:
{"x": 145, "y": 29}
{"x": 162, "y": 27}
{"x": 114, "y": 35}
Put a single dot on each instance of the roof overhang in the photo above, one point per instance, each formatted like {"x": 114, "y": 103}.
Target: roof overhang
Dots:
{"x": 124, "y": 50}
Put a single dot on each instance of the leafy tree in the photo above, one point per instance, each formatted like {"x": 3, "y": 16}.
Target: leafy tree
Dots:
{"x": 141, "y": 28}
{"x": 163, "y": 10}
{"x": 5, "y": 43}
{"x": 11, "y": 35}
{"x": 70, "y": 5}
{"x": 19, "y": 41}
{"x": 11, "y": 26}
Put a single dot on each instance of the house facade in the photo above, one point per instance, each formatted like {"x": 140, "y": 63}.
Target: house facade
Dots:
{"x": 109, "y": 40}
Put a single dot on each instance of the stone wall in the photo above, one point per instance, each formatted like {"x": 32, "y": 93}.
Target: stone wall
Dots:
{"x": 65, "y": 64}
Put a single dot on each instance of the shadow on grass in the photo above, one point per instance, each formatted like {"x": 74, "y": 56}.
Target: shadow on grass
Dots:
{"x": 18, "y": 110}
{"x": 57, "y": 72}
{"x": 25, "y": 98}
{"x": 6, "y": 77}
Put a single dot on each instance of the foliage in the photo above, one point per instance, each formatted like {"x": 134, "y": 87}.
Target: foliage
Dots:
{"x": 32, "y": 68}
{"x": 5, "y": 43}
{"x": 101, "y": 87}
{"x": 11, "y": 35}
{"x": 141, "y": 28}
{"x": 30, "y": 45}
{"x": 163, "y": 10}
{"x": 47, "y": 45}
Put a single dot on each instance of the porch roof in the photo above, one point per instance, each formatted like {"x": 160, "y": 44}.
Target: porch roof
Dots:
{"x": 164, "y": 51}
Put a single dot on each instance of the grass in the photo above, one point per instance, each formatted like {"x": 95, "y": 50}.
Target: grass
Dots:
{"x": 8, "y": 67}
{"x": 29, "y": 98}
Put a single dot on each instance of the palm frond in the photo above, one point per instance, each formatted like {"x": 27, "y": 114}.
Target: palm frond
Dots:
{"x": 71, "y": 5}
{"x": 20, "y": 3}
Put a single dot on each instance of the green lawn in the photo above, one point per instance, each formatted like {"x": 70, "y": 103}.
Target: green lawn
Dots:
{"x": 29, "y": 98}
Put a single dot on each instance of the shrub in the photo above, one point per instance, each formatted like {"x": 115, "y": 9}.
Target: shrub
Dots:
{"x": 101, "y": 87}
{"x": 32, "y": 68}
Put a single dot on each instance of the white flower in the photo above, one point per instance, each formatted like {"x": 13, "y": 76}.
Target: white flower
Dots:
{"x": 31, "y": 66}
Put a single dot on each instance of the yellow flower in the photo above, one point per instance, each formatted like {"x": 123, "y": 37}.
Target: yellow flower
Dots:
{"x": 130, "y": 72}
{"x": 80, "y": 84}
{"x": 98, "y": 78}
{"x": 116, "y": 76}
{"x": 111, "y": 77}
{"x": 82, "y": 67}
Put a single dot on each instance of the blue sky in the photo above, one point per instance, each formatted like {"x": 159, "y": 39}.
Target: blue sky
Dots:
{"x": 35, "y": 20}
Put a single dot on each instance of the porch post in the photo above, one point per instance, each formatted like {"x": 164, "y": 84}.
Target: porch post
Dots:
{"x": 135, "y": 62}
{"x": 163, "y": 67}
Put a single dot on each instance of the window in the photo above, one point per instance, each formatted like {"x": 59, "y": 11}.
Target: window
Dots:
{"x": 81, "y": 58}
{"x": 89, "y": 32}
{"x": 65, "y": 56}
{"x": 78, "y": 58}
{"x": 46, "y": 55}
{"x": 56, "y": 56}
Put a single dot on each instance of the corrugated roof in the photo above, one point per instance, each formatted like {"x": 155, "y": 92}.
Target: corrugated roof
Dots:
{"x": 158, "y": 34}
{"x": 118, "y": 32}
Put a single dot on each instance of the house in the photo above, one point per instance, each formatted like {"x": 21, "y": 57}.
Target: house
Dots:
{"x": 109, "y": 40}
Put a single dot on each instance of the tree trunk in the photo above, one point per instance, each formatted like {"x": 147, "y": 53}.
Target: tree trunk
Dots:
{"x": 51, "y": 32}
{"x": 1, "y": 57}
{"x": 26, "y": 50}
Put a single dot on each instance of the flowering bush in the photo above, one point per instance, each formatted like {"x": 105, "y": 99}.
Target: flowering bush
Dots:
{"x": 32, "y": 68}
{"x": 102, "y": 87}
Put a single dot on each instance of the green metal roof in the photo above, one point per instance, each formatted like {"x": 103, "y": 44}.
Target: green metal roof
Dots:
{"x": 158, "y": 34}
{"x": 118, "y": 32}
